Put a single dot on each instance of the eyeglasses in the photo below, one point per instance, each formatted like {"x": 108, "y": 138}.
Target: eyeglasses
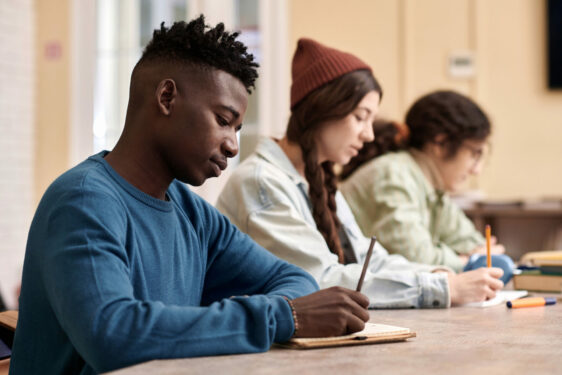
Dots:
{"x": 476, "y": 152}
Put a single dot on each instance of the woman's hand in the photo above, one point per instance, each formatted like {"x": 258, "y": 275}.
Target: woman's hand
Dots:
{"x": 475, "y": 286}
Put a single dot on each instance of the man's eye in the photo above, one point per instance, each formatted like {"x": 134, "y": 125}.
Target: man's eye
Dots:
{"x": 238, "y": 128}
{"x": 222, "y": 121}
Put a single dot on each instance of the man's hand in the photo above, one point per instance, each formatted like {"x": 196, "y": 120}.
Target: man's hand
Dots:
{"x": 331, "y": 312}
{"x": 475, "y": 286}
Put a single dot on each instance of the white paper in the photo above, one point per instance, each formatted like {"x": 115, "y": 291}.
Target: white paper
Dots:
{"x": 501, "y": 297}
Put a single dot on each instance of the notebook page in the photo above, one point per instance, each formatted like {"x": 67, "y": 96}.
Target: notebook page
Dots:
{"x": 501, "y": 297}
{"x": 370, "y": 330}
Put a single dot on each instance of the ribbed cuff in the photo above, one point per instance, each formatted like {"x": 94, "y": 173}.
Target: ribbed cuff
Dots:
{"x": 285, "y": 325}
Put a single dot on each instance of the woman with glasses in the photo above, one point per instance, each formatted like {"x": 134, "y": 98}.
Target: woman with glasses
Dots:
{"x": 397, "y": 185}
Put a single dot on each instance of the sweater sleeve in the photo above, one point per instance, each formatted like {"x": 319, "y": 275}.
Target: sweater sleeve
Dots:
{"x": 238, "y": 265}
{"x": 85, "y": 270}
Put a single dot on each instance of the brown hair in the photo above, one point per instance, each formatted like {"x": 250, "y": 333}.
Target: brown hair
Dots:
{"x": 446, "y": 113}
{"x": 389, "y": 136}
{"x": 332, "y": 101}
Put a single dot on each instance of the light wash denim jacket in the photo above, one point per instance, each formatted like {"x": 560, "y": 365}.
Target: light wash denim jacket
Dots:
{"x": 268, "y": 199}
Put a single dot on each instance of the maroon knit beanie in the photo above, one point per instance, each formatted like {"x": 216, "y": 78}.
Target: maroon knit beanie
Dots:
{"x": 315, "y": 64}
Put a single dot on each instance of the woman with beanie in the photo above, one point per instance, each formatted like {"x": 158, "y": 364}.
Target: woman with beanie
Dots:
{"x": 285, "y": 196}
{"x": 401, "y": 197}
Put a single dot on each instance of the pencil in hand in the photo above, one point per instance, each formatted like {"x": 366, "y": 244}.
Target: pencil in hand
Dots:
{"x": 366, "y": 263}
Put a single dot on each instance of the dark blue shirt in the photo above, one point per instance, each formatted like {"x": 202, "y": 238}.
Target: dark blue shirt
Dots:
{"x": 113, "y": 277}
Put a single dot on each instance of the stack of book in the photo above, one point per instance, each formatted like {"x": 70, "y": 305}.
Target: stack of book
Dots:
{"x": 546, "y": 275}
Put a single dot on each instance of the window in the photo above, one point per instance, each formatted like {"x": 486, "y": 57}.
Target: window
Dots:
{"x": 124, "y": 27}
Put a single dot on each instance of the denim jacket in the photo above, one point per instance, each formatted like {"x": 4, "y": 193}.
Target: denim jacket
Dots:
{"x": 268, "y": 199}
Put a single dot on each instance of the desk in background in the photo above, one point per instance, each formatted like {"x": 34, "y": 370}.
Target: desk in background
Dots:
{"x": 463, "y": 340}
{"x": 520, "y": 229}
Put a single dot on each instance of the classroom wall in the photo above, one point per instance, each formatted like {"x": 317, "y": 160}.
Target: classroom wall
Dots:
{"x": 16, "y": 138}
{"x": 527, "y": 153}
{"x": 369, "y": 29}
{"x": 52, "y": 125}
{"x": 408, "y": 43}
{"x": 34, "y": 120}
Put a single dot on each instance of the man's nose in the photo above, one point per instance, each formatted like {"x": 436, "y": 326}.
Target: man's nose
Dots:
{"x": 230, "y": 145}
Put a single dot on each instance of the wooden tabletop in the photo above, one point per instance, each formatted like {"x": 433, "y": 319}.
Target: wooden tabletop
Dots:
{"x": 461, "y": 340}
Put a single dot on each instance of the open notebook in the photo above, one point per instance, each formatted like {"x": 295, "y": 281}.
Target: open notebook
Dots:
{"x": 372, "y": 334}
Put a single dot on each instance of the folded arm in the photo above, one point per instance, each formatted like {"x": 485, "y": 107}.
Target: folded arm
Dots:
{"x": 87, "y": 275}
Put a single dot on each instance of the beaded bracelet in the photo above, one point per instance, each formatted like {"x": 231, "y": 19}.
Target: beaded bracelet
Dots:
{"x": 293, "y": 311}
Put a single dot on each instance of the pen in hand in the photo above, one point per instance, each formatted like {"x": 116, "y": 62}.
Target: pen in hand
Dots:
{"x": 366, "y": 264}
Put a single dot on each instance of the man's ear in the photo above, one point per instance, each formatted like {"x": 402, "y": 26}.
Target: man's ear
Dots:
{"x": 166, "y": 94}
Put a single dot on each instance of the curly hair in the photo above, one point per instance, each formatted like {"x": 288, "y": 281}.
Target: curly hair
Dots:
{"x": 449, "y": 113}
{"x": 332, "y": 101}
{"x": 446, "y": 113}
{"x": 200, "y": 44}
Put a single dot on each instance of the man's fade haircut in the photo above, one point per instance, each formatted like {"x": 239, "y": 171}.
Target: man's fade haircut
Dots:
{"x": 202, "y": 45}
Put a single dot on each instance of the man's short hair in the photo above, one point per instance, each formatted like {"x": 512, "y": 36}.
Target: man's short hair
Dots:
{"x": 197, "y": 43}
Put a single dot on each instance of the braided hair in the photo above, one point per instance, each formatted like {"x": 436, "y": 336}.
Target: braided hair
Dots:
{"x": 199, "y": 44}
{"x": 446, "y": 113}
{"x": 332, "y": 101}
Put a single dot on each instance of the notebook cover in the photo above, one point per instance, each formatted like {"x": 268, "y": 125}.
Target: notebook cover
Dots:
{"x": 372, "y": 334}
{"x": 535, "y": 281}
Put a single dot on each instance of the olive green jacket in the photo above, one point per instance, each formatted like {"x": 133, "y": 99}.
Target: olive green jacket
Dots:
{"x": 398, "y": 198}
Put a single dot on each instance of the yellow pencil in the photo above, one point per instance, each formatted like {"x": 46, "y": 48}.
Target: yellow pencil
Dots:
{"x": 488, "y": 240}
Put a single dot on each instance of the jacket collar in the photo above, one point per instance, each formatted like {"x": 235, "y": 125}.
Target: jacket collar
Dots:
{"x": 429, "y": 169}
{"x": 269, "y": 150}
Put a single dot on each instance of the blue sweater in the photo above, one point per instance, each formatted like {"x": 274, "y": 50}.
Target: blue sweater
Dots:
{"x": 113, "y": 277}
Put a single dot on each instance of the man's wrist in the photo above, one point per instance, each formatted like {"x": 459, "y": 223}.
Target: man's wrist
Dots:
{"x": 294, "y": 313}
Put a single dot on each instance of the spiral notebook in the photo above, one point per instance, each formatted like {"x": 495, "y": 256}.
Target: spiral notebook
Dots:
{"x": 371, "y": 334}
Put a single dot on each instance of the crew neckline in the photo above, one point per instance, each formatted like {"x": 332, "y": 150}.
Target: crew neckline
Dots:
{"x": 136, "y": 193}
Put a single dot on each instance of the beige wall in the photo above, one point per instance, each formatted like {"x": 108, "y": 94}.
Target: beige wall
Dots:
{"x": 527, "y": 116}
{"x": 354, "y": 26}
{"x": 408, "y": 42}
{"x": 17, "y": 76}
{"x": 52, "y": 94}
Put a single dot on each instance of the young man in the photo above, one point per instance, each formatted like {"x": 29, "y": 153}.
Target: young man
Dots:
{"x": 124, "y": 264}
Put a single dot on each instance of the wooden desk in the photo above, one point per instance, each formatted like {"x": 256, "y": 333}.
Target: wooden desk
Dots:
{"x": 463, "y": 340}
{"x": 521, "y": 229}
